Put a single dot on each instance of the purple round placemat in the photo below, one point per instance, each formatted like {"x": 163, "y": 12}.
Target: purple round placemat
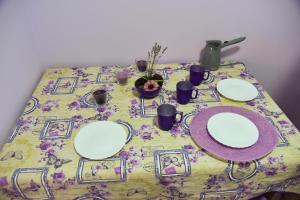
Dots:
{"x": 266, "y": 142}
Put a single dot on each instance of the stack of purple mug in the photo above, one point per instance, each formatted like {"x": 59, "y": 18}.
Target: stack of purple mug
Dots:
{"x": 185, "y": 91}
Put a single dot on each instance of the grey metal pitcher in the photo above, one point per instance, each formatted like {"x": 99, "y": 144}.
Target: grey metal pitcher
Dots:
{"x": 212, "y": 52}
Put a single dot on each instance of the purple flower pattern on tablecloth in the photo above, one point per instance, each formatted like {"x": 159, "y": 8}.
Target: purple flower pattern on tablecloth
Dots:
{"x": 171, "y": 98}
{"x": 74, "y": 105}
{"x": 177, "y": 131}
{"x": 33, "y": 187}
{"x": 85, "y": 82}
{"x": 105, "y": 111}
{"x": 50, "y": 150}
{"x": 171, "y": 188}
{"x": 194, "y": 152}
{"x": 26, "y": 124}
{"x": 133, "y": 157}
{"x": 10, "y": 193}
{"x": 48, "y": 88}
{"x": 215, "y": 182}
{"x": 77, "y": 104}
{"x": 100, "y": 190}
{"x": 249, "y": 189}
{"x": 261, "y": 106}
{"x": 65, "y": 85}
{"x": 274, "y": 166}
{"x": 78, "y": 121}
{"x": 288, "y": 126}
{"x": 245, "y": 74}
{"x": 49, "y": 105}
{"x": 60, "y": 181}
{"x": 134, "y": 108}
{"x": 243, "y": 165}
{"x": 3, "y": 181}
{"x": 146, "y": 132}
{"x": 45, "y": 145}
{"x": 223, "y": 75}
{"x": 80, "y": 72}
{"x": 107, "y": 69}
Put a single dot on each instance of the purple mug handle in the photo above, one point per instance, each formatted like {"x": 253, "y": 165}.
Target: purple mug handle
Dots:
{"x": 196, "y": 95}
{"x": 208, "y": 72}
{"x": 181, "y": 116}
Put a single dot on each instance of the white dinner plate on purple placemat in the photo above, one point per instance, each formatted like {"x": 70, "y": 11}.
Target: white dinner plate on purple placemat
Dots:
{"x": 266, "y": 142}
{"x": 100, "y": 139}
{"x": 233, "y": 130}
{"x": 237, "y": 89}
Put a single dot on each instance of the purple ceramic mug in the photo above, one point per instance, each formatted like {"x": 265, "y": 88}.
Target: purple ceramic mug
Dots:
{"x": 198, "y": 74}
{"x": 184, "y": 91}
{"x": 166, "y": 114}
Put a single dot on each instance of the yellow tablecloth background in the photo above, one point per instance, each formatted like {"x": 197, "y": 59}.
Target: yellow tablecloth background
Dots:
{"x": 39, "y": 160}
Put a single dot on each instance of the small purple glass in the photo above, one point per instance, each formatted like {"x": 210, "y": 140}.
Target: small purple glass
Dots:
{"x": 122, "y": 77}
{"x": 100, "y": 96}
{"x": 166, "y": 114}
{"x": 141, "y": 64}
{"x": 198, "y": 74}
{"x": 184, "y": 91}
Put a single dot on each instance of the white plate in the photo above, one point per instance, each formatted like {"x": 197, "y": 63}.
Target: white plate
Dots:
{"x": 237, "y": 89}
{"x": 232, "y": 130}
{"x": 99, "y": 140}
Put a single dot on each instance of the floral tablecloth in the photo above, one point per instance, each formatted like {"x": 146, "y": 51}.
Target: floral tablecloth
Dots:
{"x": 39, "y": 161}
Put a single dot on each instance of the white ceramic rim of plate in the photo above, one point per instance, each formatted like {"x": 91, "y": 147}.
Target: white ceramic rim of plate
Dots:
{"x": 248, "y": 90}
{"x": 116, "y": 131}
{"x": 230, "y": 124}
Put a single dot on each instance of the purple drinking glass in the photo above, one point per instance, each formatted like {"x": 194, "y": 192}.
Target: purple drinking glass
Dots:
{"x": 184, "y": 91}
{"x": 198, "y": 74}
{"x": 166, "y": 114}
{"x": 100, "y": 96}
{"x": 122, "y": 77}
{"x": 141, "y": 64}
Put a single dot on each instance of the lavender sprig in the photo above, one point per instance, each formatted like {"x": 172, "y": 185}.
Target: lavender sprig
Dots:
{"x": 153, "y": 56}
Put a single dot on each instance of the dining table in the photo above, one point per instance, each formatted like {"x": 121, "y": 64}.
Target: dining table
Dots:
{"x": 39, "y": 161}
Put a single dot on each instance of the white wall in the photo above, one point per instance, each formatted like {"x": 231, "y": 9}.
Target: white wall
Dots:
{"x": 84, "y": 32}
{"x": 19, "y": 67}
{"x": 93, "y": 31}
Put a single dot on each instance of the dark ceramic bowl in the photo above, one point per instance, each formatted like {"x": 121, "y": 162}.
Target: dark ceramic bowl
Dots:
{"x": 139, "y": 85}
